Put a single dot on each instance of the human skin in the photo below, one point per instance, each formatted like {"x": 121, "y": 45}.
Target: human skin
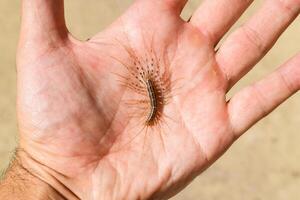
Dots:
{"x": 73, "y": 124}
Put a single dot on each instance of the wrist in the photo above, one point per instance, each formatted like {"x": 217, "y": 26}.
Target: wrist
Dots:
{"x": 20, "y": 182}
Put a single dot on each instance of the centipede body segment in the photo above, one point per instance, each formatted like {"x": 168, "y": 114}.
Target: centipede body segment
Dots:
{"x": 153, "y": 101}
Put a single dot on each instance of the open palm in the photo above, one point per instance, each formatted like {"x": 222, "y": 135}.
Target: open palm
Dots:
{"x": 76, "y": 131}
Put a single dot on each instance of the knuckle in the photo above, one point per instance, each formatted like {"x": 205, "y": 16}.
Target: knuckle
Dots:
{"x": 253, "y": 38}
{"x": 286, "y": 83}
{"x": 289, "y": 5}
{"x": 297, "y": 72}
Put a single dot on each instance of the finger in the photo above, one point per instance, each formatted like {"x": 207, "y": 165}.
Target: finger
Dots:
{"x": 214, "y": 18}
{"x": 43, "y": 20}
{"x": 173, "y": 5}
{"x": 247, "y": 45}
{"x": 177, "y": 5}
{"x": 258, "y": 100}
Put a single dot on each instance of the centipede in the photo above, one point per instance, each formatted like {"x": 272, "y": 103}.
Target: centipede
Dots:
{"x": 148, "y": 78}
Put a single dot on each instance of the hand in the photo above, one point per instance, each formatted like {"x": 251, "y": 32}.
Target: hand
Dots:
{"x": 75, "y": 130}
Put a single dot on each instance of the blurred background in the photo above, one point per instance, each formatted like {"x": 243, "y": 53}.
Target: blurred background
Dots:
{"x": 263, "y": 164}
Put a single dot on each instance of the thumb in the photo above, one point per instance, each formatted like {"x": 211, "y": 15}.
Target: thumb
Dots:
{"x": 43, "y": 21}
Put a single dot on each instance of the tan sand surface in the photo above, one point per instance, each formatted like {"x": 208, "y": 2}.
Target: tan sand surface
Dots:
{"x": 263, "y": 164}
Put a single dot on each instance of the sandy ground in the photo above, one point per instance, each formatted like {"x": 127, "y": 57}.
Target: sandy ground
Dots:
{"x": 263, "y": 164}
